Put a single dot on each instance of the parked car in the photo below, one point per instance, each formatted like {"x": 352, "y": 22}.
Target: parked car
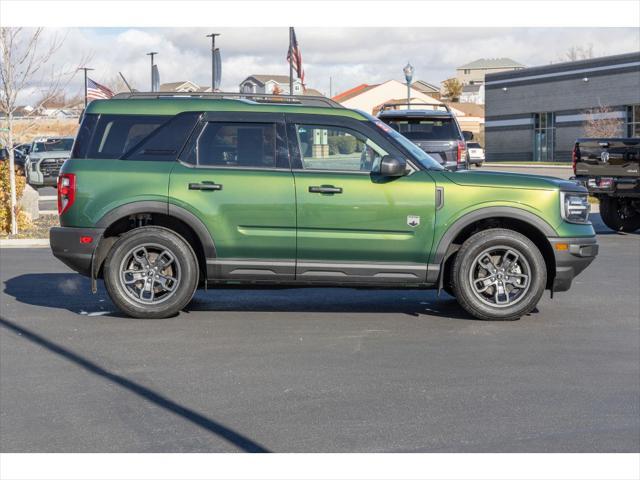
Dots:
{"x": 476, "y": 153}
{"x": 19, "y": 156}
{"x": 433, "y": 128}
{"x": 46, "y": 157}
{"x": 610, "y": 169}
{"x": 164, "y": 194}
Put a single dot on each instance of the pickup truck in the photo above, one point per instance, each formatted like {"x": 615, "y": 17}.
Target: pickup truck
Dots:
{"x": 610, "y": 169}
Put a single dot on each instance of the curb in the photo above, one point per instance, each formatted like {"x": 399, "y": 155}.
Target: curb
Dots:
{"x": 515, "y": 165}
{"x": 24, "y": 243}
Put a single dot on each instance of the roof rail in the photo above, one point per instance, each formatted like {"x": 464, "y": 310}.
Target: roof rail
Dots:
{"x": 307, "y": 100}
{"x": 388, "y": 106}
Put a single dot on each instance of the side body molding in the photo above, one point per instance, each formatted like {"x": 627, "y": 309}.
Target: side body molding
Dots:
{"x": 488, "y": 213}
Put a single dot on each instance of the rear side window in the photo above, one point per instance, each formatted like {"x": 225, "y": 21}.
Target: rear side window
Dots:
{"x": 228, "y": 144}
{"x": 116, "y": 134}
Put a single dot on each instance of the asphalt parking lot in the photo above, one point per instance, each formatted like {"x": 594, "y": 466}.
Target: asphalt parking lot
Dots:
{"x": 319, "y": 370}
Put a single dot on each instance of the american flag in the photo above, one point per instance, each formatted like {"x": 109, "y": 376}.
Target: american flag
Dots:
{"x": 296, "y": 61}
{"x": 95, "y": 91}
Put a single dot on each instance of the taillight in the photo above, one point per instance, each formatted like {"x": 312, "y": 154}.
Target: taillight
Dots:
{"x": 66, "y": 191}
{"x": 462, "y": 151}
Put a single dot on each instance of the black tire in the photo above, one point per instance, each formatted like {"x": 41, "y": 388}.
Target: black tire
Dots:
{"x": 183, "y": 269}
{"x": 619, "y": 214}
{"x": 528, "y": 263}
{"x": 479, "y": 164}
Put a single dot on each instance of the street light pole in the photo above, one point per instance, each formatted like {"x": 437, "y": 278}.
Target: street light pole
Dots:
{"x": 86, "y": 69}
{"x": 408, "y": 75}
{"x": 213, "y": 59}
{"x": 151, "y": 54}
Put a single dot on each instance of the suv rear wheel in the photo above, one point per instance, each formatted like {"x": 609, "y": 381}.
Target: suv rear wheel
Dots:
{"x": 151, "y": 272}
{"x": 498, "y": 274}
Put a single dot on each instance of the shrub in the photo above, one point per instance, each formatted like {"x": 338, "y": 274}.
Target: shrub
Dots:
{"x": 347, "y": 144}
{"x": 5, "y": 200}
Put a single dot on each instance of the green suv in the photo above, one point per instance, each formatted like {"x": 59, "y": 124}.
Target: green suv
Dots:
{"x": 165, "y": 194}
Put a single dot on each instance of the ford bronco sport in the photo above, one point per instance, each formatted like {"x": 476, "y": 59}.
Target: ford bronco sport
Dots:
{"x": 164, "y": 194}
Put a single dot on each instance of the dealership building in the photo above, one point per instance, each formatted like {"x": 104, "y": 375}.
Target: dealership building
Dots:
{"x": 536, "y": 114}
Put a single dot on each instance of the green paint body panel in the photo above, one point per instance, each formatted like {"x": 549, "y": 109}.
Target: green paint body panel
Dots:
{"x": 270, "y": 214}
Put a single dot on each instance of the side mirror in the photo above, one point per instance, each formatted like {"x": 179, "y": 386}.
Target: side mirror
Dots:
{"x": 392, "y": 167}
{"x": 467, "y": 135}
{"x": 4, "y": 154}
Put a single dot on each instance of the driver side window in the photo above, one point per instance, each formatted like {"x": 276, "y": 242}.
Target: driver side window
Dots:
{"x": 324, "y": 147}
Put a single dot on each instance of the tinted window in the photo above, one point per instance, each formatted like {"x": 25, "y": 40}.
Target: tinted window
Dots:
{"x": 235, "y": 145}
{"x": 165, "y": 142}
{"x": 81, "y": 145}
{"x": 116, "y": 134}
{"x": 337, "y": 148}
{"x": 424, "y": 129}
{"x": 53, "y": 145}
{"x": 473, "y": 145}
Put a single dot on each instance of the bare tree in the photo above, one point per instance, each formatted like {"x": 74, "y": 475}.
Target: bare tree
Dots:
{"x": 601, "y": 123}
{"x": 25, "y": 65}
{"x": 579, "y": 53}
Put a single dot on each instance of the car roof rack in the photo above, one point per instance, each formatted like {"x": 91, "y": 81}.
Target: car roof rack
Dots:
{"x": 389, "y": 106}
{"x": 306, "y": 100}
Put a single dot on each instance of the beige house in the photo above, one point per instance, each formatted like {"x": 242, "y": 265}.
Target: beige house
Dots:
{"x": 370, "y": 97}
{"x": 474, "y": 72}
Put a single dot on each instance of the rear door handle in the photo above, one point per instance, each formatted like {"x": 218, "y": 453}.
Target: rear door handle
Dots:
{"x": 325, "y": 189}
{"x": 205, "y": 186}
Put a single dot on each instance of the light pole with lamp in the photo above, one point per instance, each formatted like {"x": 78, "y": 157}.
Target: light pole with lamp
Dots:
{"x": 213, "y": 60}
{"x": 408, "y": 75}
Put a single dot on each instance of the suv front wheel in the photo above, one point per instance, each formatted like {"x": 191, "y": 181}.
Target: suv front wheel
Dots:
{"x": 151, "y": 272}
{"x": 498, "y": 274}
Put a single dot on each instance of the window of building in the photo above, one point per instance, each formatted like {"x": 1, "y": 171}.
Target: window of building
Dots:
{"x": 337, "y": 148}
{"x": 235, "y": 145}
{"x": 467, "y": 71}
{"x": 544, "y": 137}
{"x": 633, "y": 121}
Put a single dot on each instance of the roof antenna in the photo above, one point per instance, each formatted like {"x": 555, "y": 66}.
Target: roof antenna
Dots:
{"x": 125, "y": 82}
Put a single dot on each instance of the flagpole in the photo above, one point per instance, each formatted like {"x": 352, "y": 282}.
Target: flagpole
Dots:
{"x": 85, "y": 84}
{"x": 290, "y": 62}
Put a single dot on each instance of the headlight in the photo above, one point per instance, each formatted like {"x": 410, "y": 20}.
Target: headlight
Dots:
{"x": 575, "y": 207}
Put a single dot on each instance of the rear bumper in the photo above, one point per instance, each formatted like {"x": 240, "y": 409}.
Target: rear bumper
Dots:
{"x": 570, "y": 262}
{"x": 66, "y": 247}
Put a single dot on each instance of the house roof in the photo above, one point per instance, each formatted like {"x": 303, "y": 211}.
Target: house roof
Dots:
{"x": 352, "y": 92}
{"x": 262, "y": 79}
{"x": 313, "y": 92}
{"x": 469, "y": 109}
{"x": 173, "y": 86}
{"x": 491, "y": 63}
{"x": 425, "y": 86}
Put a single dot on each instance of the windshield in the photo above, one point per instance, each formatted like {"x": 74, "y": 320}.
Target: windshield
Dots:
{"x": 53, "y": 145}
{"x": 424, "y": 128}
{"x": 416, "y": 152}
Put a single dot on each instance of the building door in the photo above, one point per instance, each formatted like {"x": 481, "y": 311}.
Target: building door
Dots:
{"x": 544, "y": 137}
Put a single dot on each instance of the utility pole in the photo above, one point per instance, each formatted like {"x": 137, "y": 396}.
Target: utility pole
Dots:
{"x": 330, "y": 87}
{"x": 213, "y": 60}
{"x": 86, "y": 69}
{"x": 151, "y": 54}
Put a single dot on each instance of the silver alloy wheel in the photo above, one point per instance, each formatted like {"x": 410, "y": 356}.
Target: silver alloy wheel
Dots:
{"x": 500, "y": 276}
{"x": 150, "y": 273}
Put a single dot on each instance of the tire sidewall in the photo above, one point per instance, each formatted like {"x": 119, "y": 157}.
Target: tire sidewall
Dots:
{"x": 465, "y": 260}
{"x": 184, "y": 256}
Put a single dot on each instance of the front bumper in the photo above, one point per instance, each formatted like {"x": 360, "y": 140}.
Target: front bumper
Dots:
{"x": 570, "y": 261}
{"x": 66, "y": 247}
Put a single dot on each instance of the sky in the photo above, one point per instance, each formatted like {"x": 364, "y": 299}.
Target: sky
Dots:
{"x": 350, "y": 56}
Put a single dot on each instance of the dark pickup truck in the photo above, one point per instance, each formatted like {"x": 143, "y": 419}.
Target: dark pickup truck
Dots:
{"x": 610, "y": 169}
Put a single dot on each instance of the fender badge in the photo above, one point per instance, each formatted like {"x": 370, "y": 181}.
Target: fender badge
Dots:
{"x": 413, "y": 220}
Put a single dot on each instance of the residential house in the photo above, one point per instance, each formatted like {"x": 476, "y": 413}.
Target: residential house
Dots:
{"x": 474, "y": 72}
{"x": 272, "y": 84}
{"x": 370, "y": 98}
{"x": 473, "y": 93}
{"x": 184, "y": 86}
{"x": 427, "y": 88}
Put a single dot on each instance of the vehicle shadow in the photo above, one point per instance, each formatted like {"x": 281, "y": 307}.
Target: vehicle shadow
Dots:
{"x": 240, "y": 441}
{"x": 72, "y": 292}
{"x": 602, "y": 229}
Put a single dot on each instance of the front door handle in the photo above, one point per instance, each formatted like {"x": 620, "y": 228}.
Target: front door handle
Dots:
{"x": 205, "y": 186}
{"x": 330, "y": 189}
